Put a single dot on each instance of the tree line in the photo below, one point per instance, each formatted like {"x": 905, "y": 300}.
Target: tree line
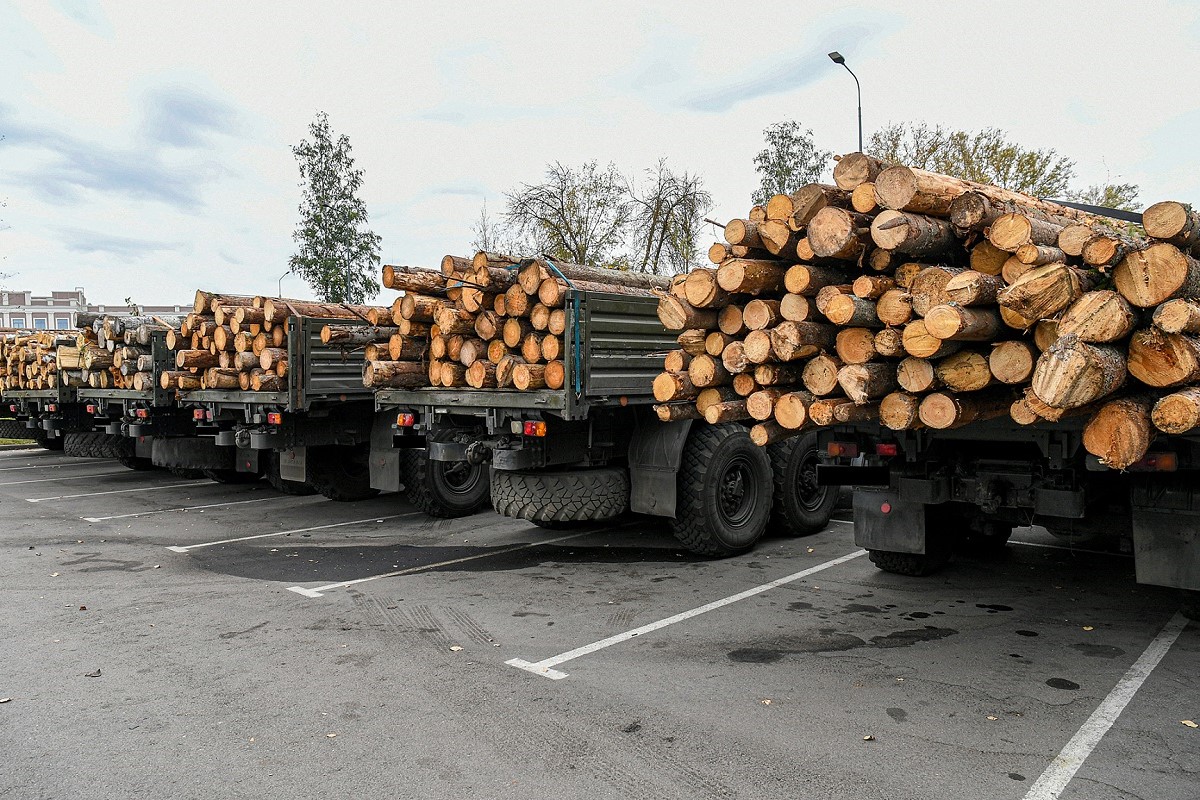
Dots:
{"x": 648, "y": 221}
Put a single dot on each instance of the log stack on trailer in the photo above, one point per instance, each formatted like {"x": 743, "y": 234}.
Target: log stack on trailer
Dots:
{"x": 489, "y": 322}
{"x": 925, "y": 301}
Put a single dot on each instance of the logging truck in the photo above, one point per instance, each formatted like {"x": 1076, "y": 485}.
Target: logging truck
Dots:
{"x": 594, "y": 449}
{"x": 45, "y": 415}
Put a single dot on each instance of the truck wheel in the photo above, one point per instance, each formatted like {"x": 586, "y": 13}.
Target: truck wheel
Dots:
{"x": 913, "y": 564}
{"x": 1190, "y": 604}
{"x": 991, "y": 540}
{"x": 724, "y": 496}
{"x": 192, "y": 453}
{"x": 185, "y": 472}
{"x": 43, "y": 439}
{"x": 550, "y": 498}
{"x": 800, "y": 507}
{"x": 15, "y": 429}
{"x": 445, "y": 488}
{"x": 295, "y": 488}
{"x": 341, "y": 473}
{"x": 139, "y": 464}
{"x": 96, "y": 444}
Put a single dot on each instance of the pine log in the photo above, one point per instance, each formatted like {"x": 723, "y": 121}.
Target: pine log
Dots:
{"x": 394, "y": 374}
{"x": 553, "y": 293}
{"x": 865, "y": 382}
{"x": 1011, "y": 231}
{"x": 1013, "y": 269}
{"x": 778, "y": 238}
{"x": 717, "y": 252}
{"x": 481, "y": 375}
{"x": 1072, "y": 373}
{"x": 739, "y": 275}
{"x": 1175, "y": 223}
{"x": 919, "y": 342}
{"x": 758, "y": 315}
{"x": 406, "y": 348}
{"x": 472, "y": 350}
{"x": 871, "y": 287}
{"x": 516, "y": 302}
{"x": 677, "y": 315}
{"x": 825, "y": 411}
{"x": 705, "y": 370}
{"x": 972, "y": 288}
{"x": 353, "y": 336}
{"x": 862, "y": 199}
{"x": 808, "y": 279}
{"x": 1099, "y": 316}
{"x": 188, "y": 359}
{"x": 797, "y": 308}
{"x": 674, "y": 412}
{"x": 791, "y": 409}
{"x": 1164, "y": 359}
{"x": 1044, "y": 291}
{"x": 731, "y": 411}
{"x": 506, "y": 367}
{"x": 942, "y": 411}
{"x": 987, "y": 258}
{"x": 1013, "y": 362}
{"x": 415, "y": 279}
{"x": 882, "y": 260}
{"x": 894, "y": 307}
{"x": 1014, "y": 320}
{"x": 529, "y": 377}
{"x": 791, "y": 341}
{"x": 1178, "y": 412}
{"x": 889, "y": 343}
{"x": 733, "y": 358}
{"x": 669, "y": 386}
{"x": 692, "y": 341}
{"x": 827, "y": 294}
{"x": 909, "y": 189}
{"x": 854, "y": 169}
{"x": 714, "y": 343}
{"x": 744, "y": 384}
{"x": 929, "y": 288}
{"x": 761, "y": 404}
{"x": 855, "y": 345}
{"x": 912, "y": 234}
{"x": 1160, "y": 272}
{"x": 483, "y": 259}
{"x": 1107, "y": 249}
{"x": 778, "y": 374}
{"x": 917, "y": 375}
{"x": 676, "y": 361}
{"x": 838, "y": 233}
{"x": 1072, "y": 238}
{"x": 531, "y": 276}
{"x": 270, "y": 356}
{"x": 515, "y": 330}
{"x": 1119, "y": 434}
{"x": 899, "y": 411}
{"x": 770, "y": 432}
{"x": 847, "y": 309}
{"x": 531, "y": 348}
{"x": 847, "y": 413}
{"x": 1178, "y": 316}
{"x": 965, "y": 371}
{"x": 712, "y": 396}
{"x": 743, "y": 232}
{"x": 703, "y": 291}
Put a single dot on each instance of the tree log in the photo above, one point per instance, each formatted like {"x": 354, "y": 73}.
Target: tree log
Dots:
{"x": 1119, "y": 433}
{"x": 757, "y": 347}
{"x": 715, "y": 342}
{"x": 1072, "y": 373}
{"x": 919, "y": 342}
{"x": 819, "y": 374}
{"x": 871, "y": 287}
{"x": 1178, "y": 316}
{"x": 1107, "y": 249}
{"x": 1160, "y": 272}
{"x": 669, "y": 386}
{"x": 964, "y": 324}
{"x": 531, "y": 276}
{"x": 855, "y": 345}
{"x": 825, "y": 411}
{"x": 909, "y": 189}
{"x": 894, "y": 307}
{"x": 1164, "y": 359}
{"x": 778, "y": 238}
{"x": 912, "y": 234}
{"x": 674, "y": 412}
{"x": 808, "y": 279}
{"x": 713, "y": 395}
{"x": 481, "y": 375}
{"x": 917, "y": 375}
{"x": 706, "y": 370}
{"x": 855, "y": 169}
{"x": 740, "y": 275}
{"x": 507, "y": 366}
{"x": 1098, "y": 316}
{"x": 692, "y": 341}
{"x": 889, "y": 343}
{"x": 189, "y": 359}
{"x": 394, "y": 374}
{"x": 1013, "y": 362}
{"x": 862, "y": 199}
{"x": 838, "y": 233}
{"x": 942, "y": 411}
{"x": 1010, "y": 231}
{"x": 733, "y": 358}
{"x": 899, "y": 411}
{"x": 677, "y": 315}
{"x": 1173, "y": 222}
{"x": 352, "y": 336}
{"x": 406, "y": 348}
{"x": 791, "y": 341}
{"x": 762, "y": 314}
{"x": 973, "y": 288}
{"x": 929, "y": 288}
{"x": 865, "y": 382}
{"x": 791, "y": 409}
{"x": 1178, "y": 412}
{"x": 703, "y": 291}
{"x": 1044, "y": 291}
{"x": 966, "y": 371}
{"x": 743, "y": 232}
{"x": 770, "y": 432}
{"x": 529, "y": 377}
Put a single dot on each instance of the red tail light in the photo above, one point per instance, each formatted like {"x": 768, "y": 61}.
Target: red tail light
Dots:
{"x": 274, "y": 418}
{"x": 406, "y": 420}
{"x": 534, "y": 429}
{"x": 52, "y": 406}
{"x": 198, "y": 414}
{"x": 847, "y": 449}
{"x": 886, "y": 449}
{"x": 142, "y": 413}
{"x": 1157, "y": 462}
{"x": 91, "y": 409}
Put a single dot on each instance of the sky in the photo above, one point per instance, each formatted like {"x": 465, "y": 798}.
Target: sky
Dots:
{"x": 146, "y": 146}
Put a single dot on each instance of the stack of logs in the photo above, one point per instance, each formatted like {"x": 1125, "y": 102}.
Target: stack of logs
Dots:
{"x": 238, "y": 343}
{"x": 920, "y": 300}
{"x": 107, "y": 352}
{"x": 491, "y": 321}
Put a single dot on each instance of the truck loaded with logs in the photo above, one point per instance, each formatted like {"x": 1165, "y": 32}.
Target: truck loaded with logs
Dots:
{"x": 537, "y": 388}
{"x": 969, "y": 358}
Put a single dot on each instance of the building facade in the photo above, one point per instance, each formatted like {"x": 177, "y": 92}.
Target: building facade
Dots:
{"x": 56, "y": 311}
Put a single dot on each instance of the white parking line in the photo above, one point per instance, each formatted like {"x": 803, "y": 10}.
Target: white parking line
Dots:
{"x": 116, "y": 491}
{"x": 543, "y": 667}
{"x": 185, "y": 508}
{"x": 69, "y": 477}
{"x": 75, "y": 462}
{"x": 1060, "y": 772}
{"x": 320, "y": 590}
{"x": 184, "y": 549}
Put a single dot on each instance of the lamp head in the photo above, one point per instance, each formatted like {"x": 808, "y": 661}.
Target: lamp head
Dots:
{"x": 837, "y": 57}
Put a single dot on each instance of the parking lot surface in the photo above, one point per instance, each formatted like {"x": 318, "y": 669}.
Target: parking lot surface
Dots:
{"x": 182, "y": 638}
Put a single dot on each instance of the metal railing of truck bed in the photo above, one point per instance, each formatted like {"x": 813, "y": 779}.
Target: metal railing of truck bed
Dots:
{"x": 164, "y": 359}
{"x": 318, "y": 373}
{"x": 613, "y": 347}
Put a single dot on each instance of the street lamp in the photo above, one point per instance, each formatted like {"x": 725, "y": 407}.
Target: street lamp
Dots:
{"x": 280, "y": 282}
{"x": 838, "y": 58}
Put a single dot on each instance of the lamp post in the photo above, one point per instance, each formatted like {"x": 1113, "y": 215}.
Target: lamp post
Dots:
{"x": 838, "y": 58}
{"x": 280, "y": 282}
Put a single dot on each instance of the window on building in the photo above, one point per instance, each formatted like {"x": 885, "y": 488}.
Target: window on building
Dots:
{"x": 62, "y": 323}
{"x": 18, "y": 322}
{"x": 39, "y": 323}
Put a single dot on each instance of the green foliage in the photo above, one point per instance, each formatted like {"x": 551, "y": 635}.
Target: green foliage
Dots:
{"x": 337, "y": 254}
{"x": 789, "y": 161}
{"x": 668, "y": 212}
{"x": 1123, "y": 196}
{"x": 576, "y": 215}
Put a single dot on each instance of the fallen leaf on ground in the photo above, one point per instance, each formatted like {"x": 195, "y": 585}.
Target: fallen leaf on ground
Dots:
{"x": 331, "y": 736}
{"x": 95, "y": 674}
{"x": 868, "y": 738}
{"x": 53, "y": 574}
{"x": 5, "y": 699}
{"x": 1088, "y": 628}
{"x": 766, "y": 702}
{"x": 1187, "y": 722}
{"x": 992, "y": 718}
{"x": 455, "y": 648}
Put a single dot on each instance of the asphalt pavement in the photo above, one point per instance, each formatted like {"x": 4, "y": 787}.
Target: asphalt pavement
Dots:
{"x": 168, "y": 638}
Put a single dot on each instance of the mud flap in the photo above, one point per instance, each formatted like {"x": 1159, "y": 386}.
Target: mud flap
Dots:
{"x": 654, "y": 456}
{"x": 882, "y": 521}
{"x": 385, "y": 459}
{"x": 293, "y": 464}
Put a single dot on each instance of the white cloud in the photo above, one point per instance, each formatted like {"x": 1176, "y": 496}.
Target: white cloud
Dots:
{"x": 149, "y": 142}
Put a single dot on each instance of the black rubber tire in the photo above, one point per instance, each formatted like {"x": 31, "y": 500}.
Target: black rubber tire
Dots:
{"x": 230, "y": 476}
{"x": 561, "y": 496}
{"x": 1189, "y": 604}
{"x": 800, "y": 507}
{"x": 137, "y": 463}
{"x": 44, "y": 441}
{"x": 185, "y": 472}
{"x": 723, "y": 498}
{"x": 96, "y": 444}
{"x": 446, "y": 489}
{"x": 198, "y": 453}
{"x": 915, "y": 565}
{"x": 15, "y": 429}
{"x": 341, "y": 473}
{"x": 990, "y": 541}
{"x": 294, "y": 488}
